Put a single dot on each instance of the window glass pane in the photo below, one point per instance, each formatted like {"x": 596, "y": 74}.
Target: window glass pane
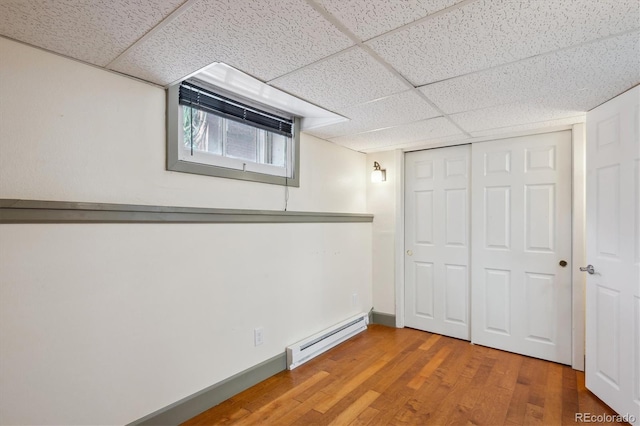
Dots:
{"x": 213, "y": 138}
{"x": 186, "y": 126}
{"x": 205, "y": 128}
{"x": 241, "y": 141}
{"x": 199, "y": 129}
{"x": 275, "y": 149}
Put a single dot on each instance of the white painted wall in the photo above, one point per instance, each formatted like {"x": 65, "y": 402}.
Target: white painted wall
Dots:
{"x": 106, "y": 323}
{"x": 95, "y": 136}
{"x": 381, "y": 201}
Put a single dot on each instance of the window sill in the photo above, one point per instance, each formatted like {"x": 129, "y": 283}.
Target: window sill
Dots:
{"x": 223, "y": 172}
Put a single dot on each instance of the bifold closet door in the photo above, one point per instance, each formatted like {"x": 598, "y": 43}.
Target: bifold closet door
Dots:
{"x": 521, "y": 245}
{"x": 437, "y": 240}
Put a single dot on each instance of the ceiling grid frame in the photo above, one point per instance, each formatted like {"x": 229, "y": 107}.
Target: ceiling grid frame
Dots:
{"x": 418, "y": 21}
{"x": 360, "y": 43}
{"x": 184, "y": 7}
{"x": 487, "y": 79}
{"x": 333, "y": 20}
{"x": 375, "y": 20}
{"x": 486, "y": 33}
{"x": 551, "y": 52}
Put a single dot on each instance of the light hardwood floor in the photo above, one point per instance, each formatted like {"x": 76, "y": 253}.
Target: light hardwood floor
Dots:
{"x": 408, "y": 377}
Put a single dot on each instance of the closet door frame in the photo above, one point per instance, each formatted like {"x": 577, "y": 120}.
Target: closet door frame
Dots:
{"x": 578, "y": 241}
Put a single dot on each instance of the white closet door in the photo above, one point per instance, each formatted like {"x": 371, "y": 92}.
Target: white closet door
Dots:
{"x": 437, "y": 240}
{"x": 613, "y": 249}
{"x": 521, "y": 204}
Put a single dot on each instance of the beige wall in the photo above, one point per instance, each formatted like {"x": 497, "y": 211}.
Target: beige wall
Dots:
{"x": 106, "y": 323}
{"x": 78, "y": 133}
{"x": 381, "y": 201}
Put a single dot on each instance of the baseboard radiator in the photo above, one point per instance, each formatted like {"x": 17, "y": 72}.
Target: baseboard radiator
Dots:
{"x": 304, "y": 350}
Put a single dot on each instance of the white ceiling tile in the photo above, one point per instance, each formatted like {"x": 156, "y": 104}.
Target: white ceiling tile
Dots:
{"x": 439, "y": 142}
{"x": 550, "y": 107}
{"x": 94, "y": 31}
{"x": 369, "y": 18}
{"x": 530, "y": 127}
{"x": 349, "y": 78}
{"x": 427, "y": 130}
{"x": 487, "y": 33}
{"x": 404, "y": 107}
{"x": 265, "y": 39}
{"x": 613, "y": 63}
{"x": 497, "y": 66}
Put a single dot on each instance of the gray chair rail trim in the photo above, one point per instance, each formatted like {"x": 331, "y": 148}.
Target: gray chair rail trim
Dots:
{"x": 37, "y": 211}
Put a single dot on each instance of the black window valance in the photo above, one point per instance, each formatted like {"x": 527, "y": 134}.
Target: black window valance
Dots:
{"x": 208, "y": 101}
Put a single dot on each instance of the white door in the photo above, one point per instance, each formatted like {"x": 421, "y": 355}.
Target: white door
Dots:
{"x": 613, "y": 249}
{"x": 437, "y": 240}
{"x": 521, "y": 221}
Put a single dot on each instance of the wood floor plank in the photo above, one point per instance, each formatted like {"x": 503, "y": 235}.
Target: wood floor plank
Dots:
{"x": 269, "y": 413}
{"x": 311, "y": 417}
{"x": 493, "y": 404}
{"x": 398, "y": 367}
{"x": 291, "y": 416}
{"x": 318, "y": 387}
{"x": 361, "y": 363}
{"x": 511, "y": 371}
{"x": 430, "y": 342}
{"x": 354, "y": 410}
{"x": 553, "y": 396}
{"x": 388, "y": 408}
{"x": 538, "y": 382}
{"x": 365, "y": 417}
{"x": 569, "y": 396}
{"x": 518, "y": 404}
{"x": 533, "y": 414}
{"x": 473, "y": 393}
{"x": 520, "y": 398}
{"x": 440, "y": 396}
{"x": 449, "y": 404}
{"x": 253, "y": 400}
{"x": 429, "y": 368}
{"x": 410, "y": 415}
{"x": 349, "y": 386}
{"x": 407, "y": 377}
{"x": 459, "y": 358}
{"x": 493, "y": 408}
{"x": 283, "y": 403}
{"x": 399, "y": 385}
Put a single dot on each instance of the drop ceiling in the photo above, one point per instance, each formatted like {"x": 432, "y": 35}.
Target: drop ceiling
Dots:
{"x": 406, "y": 73}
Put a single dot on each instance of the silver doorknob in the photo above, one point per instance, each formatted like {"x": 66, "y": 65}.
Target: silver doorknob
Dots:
{"x": 589, "y": 269}
{"x": 409, "y": 252}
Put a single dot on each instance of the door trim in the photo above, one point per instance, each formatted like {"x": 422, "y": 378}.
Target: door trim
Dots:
{"x": 399, "y": 157}
{"x": 578, "y": 243}
{"x": 578, "y": 168}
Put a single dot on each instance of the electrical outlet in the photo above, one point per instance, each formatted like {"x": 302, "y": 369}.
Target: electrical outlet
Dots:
{"x": 354, "y": 299}
{"x": 258, "y": 336}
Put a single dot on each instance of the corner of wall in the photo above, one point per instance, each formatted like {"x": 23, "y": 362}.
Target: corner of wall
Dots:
{"x": 381, "y": 201}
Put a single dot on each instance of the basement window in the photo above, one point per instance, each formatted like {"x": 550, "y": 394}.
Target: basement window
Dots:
{"x": 213, "y": 132}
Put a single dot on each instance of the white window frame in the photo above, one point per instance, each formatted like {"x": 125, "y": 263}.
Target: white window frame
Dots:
{"x": 181, "y": 159}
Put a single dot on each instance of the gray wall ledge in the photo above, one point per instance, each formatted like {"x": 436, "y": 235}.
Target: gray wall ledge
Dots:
{"x": 36, "y": 211}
